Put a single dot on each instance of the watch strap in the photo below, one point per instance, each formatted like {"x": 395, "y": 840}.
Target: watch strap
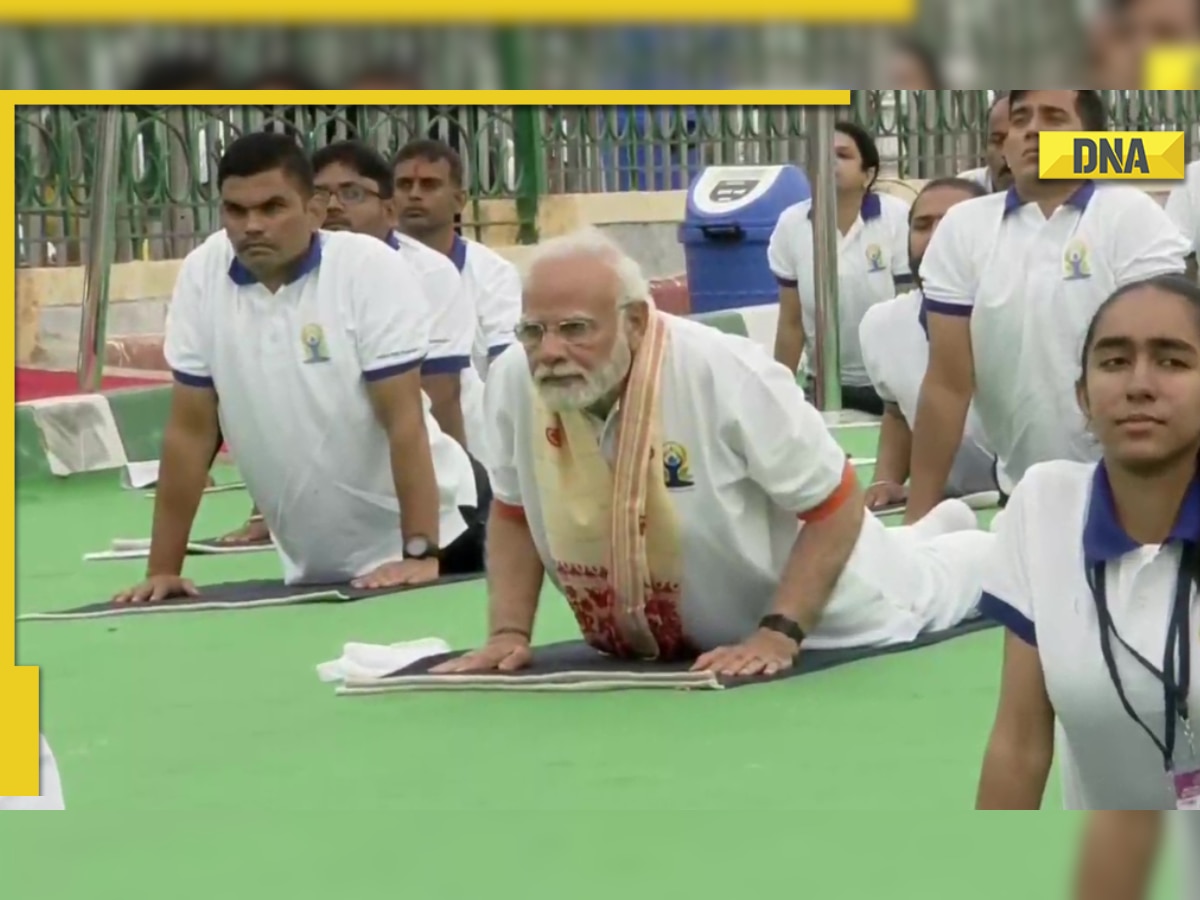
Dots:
{"x": 785, "y": 626}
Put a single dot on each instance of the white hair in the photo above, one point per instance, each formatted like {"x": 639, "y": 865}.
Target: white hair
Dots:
{"x": 592, "y": 243}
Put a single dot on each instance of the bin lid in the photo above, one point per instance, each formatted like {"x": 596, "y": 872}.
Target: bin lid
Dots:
{"x": 747, "y": 195}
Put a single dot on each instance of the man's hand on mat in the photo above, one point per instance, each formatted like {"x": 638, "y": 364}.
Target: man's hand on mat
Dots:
{"x": 255, "y": 531}
{"x": 502, "y": 653}
{"x": 401, "y": 571}
{"x": 157, "y": 588}
{"x": 763, "y": 653}
{"x": 884, "y": 493}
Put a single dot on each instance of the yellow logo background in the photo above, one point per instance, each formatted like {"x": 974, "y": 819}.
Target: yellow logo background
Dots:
{"x": 1163, "y": 153}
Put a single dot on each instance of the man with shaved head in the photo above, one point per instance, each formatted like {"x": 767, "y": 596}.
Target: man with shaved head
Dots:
{"x": 682, "y": 494}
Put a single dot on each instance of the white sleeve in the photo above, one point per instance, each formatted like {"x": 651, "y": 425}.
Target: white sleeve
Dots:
{"x": 873, "y": 344}
{"x": 500, "y": 400}
{"x": 784, "y": 246}
{"x": 451, "y": 321}
{"x": 499, "y": 306}
{"x": 948, "y": 277}
{"x": 786, "y": 447}
{"x": 1180, "y": 209}
{"x": 1007, "y": 597}
{"x": 187, "y": 344}
{"x": 390, "y": 314}
{"x": 1147, "y": 242}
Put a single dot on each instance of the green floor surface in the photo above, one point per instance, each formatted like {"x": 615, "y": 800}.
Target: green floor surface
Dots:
{"x": 833, "y": 785}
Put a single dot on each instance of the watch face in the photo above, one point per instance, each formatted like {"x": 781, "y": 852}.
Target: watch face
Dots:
{"x": 416, "y": 547}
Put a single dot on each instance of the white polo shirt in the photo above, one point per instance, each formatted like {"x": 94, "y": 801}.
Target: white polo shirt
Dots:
{"x": 760, "y": 460}
{"x": 451, "y": 309}
{"x": 1031, "y": 285}
{"x": 1183, "y": 204}
{"x": 871, "y": 255}
{"x": 1060, "y": 520}
{"x": 895, "y": 351}
{"x": 495, "y": 289}
{"x": 290, "y": 372}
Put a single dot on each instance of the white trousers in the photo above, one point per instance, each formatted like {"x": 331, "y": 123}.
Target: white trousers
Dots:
{"x": 51, "y": 786}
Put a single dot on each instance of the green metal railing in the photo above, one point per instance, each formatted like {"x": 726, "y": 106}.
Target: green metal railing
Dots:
{"x": 166, "y": 196}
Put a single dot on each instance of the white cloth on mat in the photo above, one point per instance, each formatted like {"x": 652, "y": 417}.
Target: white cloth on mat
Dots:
{"x": 377, "y": 660}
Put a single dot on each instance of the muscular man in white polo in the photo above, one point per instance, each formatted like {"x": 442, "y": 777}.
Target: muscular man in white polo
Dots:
{"x": 683, "y": 496}
{"x": 304, "y": 349}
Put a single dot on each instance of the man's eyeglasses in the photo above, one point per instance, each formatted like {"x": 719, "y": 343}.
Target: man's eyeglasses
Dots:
{"x": 347, "y": 194}
{"x": 570, "y": 331}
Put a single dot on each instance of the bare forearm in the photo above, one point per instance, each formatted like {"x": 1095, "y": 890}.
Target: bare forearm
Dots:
{"x": 1119, "y": 852}
{"x": 416, "y": 482}
{"x": 181, "y": 482}
{"x": 789, "y": 343}
{"x": 818, "y": 557}
{"x": 1013, "y": 777}
{"x": 445, "y": 402}
{"x": 895, "y": 448}
{"x": 515, "y": 574}
{"x": 941, "y": 417}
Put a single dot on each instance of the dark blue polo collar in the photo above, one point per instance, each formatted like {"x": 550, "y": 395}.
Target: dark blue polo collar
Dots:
{"x": 243, "y": 277}
{"x": 393, "y": 240}
{"x": 458, "y": 253}
{"x": 872, "y": 207}
{"x": 1080, "y": 199}
{"x": 1103, "y": 537}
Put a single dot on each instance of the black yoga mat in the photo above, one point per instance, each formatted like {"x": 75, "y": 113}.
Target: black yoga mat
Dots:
{"x": 576, "y": 656}
{"x": 239, "y": 595}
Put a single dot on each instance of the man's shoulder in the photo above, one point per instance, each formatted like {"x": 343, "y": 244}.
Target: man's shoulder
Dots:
{"x": 1114, "y": 199}
{"x": 702, "y": 348}
{"x": 214, "y": 255}
{"x": 350, "y": 248}
{"x": 423, "y": 257}
{"x": 886, "y": 315}
{"x": 478, "y": 254}
{"x": 509, "y": 370}
{"x": 1054, "y": 488}
{"x": 893, "y": 207}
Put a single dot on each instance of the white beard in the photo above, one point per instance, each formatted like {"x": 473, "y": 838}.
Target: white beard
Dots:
{"x": 591, "y": 387}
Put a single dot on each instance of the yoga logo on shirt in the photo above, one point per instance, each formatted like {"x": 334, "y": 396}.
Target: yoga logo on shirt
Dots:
{"x": 875, "y": 259}
{"x": 676, "y": 472}
{"x": 312, "y": 336}
{"x": 1075, "y": 262}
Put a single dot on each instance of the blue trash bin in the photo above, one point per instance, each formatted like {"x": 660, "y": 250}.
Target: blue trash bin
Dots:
{"x": 644, "y": 161}
{"x": 731, "y": 212}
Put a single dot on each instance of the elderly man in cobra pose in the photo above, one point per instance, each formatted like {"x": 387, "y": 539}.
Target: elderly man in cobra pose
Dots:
{"x": 682, "y": 494}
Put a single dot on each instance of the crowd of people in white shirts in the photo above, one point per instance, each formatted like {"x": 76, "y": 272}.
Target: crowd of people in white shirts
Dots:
{"x": 1039, "y": 337}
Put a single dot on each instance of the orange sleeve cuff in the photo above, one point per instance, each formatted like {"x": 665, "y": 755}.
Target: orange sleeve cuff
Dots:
{"x": 508, "y": 510}
{"x": 843, "y": 492}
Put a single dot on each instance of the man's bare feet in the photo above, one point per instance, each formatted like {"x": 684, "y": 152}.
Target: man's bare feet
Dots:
{"x": 253, "y": 532}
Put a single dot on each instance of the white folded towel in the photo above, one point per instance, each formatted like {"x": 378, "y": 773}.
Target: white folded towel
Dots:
{"x": 369, "y": 661}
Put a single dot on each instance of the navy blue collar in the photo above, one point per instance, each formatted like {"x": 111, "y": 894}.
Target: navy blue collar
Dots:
{"x": 923, "y": 316}
{"x": 1080, "y": 199}
{"x": 872, "y": 207}
{"x": 393, "y": 240}
{"x": 1103, "y": 537}
{"x": 243, "y": 277}
{"x": 458, "y": 253}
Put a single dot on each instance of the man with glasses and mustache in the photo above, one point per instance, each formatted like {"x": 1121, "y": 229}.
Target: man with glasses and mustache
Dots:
{"x": 682, "y": 494}
{"x": 303, "y": 349}
{"x": 354, "y": 183}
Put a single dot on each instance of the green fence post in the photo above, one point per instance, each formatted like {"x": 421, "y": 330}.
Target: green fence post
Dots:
{"x": 528, "y": 157}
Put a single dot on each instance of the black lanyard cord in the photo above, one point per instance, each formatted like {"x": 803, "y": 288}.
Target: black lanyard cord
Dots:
{"x": 1175, "y": 674}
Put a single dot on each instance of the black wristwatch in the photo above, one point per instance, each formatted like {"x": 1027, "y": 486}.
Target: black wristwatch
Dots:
{"x": 419, "y": 547}
{"x": 785, "y": 626}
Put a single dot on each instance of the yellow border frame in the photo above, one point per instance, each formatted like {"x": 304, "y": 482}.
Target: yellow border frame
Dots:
{"x": 20, "y": 685}
{"x": 78, "y": 12}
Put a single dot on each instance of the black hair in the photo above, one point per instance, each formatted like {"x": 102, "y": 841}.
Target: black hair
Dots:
{"x": 261, "y": 151}
{"x": 357, "y": 156}
{"x": 974, "y": 188}
{"x": 865, "y": 144}
{"x": 1177, "y": 285}
{"x": 924, "y": 55}
{"x": 432, "y": 151}
{"x": 178, "y": 74}
{"x": 1088, "y": 104}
